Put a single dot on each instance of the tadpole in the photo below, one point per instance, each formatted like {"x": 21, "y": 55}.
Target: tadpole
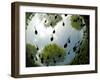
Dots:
{"x": 68, "y": 40}
{"x": 65, "y": 45}
{"x": 54, "y": 31}
{"x": 51, "y": 38}
{"x": 56, "y": 17}
{"x": 65, "y": 14}
{"x": 63, "y": 24}
{"x": 74, "y": 48}
{"x": 36, "y": 32}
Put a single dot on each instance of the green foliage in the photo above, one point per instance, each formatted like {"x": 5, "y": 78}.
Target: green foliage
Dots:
{"x": 30, "y": 53}
{"x": 28, "y": 14}
{"x": 75, "y": 22}
{"x": 53, "y": 51}
{"x": 83, "y": 56}
{"x": 52, "y": 19}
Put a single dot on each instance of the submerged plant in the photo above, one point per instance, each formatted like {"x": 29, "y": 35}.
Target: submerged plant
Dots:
{"x": 52, "y": 19}
{"x": 52, "y": 54}
{"x": 83, "y": 54}
{"x": 30, "y": 54}
{"x": 77, "y": 22}
{"x": 28, "y": 16}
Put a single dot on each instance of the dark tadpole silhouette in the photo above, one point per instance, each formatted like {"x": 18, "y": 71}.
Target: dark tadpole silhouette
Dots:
{"x": 51, "y": 38}
{"x": 41, "y": 60}
{"x": 81, "y": 20}
{"x": 45, "y": 21}
{"x": 74, "y": 48}
{"x": 59, "y": 55}
{"x": 36, "y": 32}
{"x": 50, "y": 24}
{"x": 37, "y": 48}
{"x": 65, "y": 45}
{"x": 54, "y": 31}
{"x": 68, "y": 40}
{"x": 47, "y": 57}
{"x": 68, "y": 52}
{"x": 82, "y": 25}
{"x": 78, "y": 18}
{"x": 78, "y": 41}
{"x": 65, "y": 14}
{"x": 63, "y": 24}
{"x": 56, "y": 17}
{"x": 39, "y": 55}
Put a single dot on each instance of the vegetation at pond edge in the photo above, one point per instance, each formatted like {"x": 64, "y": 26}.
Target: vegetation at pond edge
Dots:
{"x": 52, "y": 53}
{"x": 77, "y": 22}
{"x": 83, "y": 56}
{"x": 30, "y": 54}
{"x": 28, "y": 17}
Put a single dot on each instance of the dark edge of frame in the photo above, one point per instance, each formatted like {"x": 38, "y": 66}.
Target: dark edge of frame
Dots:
{"x": 96, "y": 39}
{"x": 15, "y": 38}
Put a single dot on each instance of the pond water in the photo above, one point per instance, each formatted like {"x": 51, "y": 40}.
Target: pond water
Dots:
{"x": 62, "y": 35}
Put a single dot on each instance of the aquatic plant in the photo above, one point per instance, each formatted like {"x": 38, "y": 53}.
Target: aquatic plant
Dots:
{"x": 77, "y": 22}
{"x": 28, "y": 18}
{"x": 52, "y": 53}
{"x": 52, "y": 19}
{"x": 83, "y": 54}
{"x": 30, "y": 54}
